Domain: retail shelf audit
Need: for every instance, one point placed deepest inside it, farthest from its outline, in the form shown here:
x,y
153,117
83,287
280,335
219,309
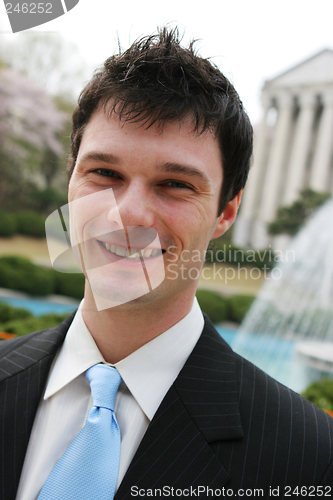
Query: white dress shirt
x,y
147,375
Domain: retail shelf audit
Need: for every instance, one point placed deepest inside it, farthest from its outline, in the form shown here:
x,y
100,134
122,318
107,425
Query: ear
x,y
227,217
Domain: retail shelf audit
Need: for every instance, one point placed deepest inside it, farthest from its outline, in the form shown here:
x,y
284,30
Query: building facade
x,y
292,149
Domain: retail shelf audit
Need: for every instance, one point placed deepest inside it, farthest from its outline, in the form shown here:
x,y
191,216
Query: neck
x,y
121,330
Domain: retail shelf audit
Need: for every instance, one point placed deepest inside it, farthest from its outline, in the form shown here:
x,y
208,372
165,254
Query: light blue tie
x,y
88,469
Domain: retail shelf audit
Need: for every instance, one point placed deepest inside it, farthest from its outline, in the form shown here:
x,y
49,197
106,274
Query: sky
x,y
249,40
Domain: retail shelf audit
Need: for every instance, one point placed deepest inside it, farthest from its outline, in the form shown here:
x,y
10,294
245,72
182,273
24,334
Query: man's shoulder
x,y
20,352
289,440
264,399
6,346
265,394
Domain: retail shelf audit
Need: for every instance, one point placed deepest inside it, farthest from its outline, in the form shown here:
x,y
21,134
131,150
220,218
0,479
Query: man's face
x,y
163,182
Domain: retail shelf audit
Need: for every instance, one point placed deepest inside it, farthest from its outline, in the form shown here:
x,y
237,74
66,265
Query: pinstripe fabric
x,y
288,441
223,423
249,431
24,367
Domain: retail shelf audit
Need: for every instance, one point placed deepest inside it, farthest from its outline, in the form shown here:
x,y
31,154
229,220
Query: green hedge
x,y
24,326
221,252
8,226
19,273
70,285
30,224
220,309
213,305
27,222
9,313
320,393
238,305
20,321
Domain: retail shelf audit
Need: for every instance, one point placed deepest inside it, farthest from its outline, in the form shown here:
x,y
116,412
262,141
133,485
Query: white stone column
x,y
323,152
244,221
269,201
300,148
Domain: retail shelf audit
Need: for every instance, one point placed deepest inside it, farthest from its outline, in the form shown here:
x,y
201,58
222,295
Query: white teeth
x,y
133,253
120,251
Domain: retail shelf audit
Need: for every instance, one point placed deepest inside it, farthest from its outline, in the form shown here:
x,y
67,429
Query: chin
x,y
113,291
124,281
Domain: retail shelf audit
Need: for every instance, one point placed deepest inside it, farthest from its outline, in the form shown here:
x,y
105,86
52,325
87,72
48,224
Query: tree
x,y
47,60
54,65
290,219
30,129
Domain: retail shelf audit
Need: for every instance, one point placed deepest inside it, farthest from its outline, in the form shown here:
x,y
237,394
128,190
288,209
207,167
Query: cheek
x,y
80,184
184,213
189,213
75,189
180,222
84,212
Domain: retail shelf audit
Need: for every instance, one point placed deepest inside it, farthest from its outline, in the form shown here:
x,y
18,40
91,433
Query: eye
x,y
106,172
178,185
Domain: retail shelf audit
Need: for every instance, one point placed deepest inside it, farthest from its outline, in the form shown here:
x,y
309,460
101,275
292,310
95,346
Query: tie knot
x,y
104,382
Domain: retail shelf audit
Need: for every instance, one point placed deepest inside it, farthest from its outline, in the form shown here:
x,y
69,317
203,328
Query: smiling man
x,y
137,394
166,179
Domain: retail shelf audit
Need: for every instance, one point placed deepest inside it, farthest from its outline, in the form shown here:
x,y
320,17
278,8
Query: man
x,y
161,147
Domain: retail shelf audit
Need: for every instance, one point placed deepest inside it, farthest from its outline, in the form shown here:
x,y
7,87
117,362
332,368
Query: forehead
x,y
176,142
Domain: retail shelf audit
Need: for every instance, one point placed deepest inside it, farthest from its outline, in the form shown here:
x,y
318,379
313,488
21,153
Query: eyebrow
x,y
176,168
100,157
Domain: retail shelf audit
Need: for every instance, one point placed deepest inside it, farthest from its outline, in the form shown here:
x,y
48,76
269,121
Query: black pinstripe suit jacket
x,y
223,424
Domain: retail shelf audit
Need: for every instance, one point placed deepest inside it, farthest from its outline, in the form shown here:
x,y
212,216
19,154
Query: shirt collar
x,y
78,353
148,372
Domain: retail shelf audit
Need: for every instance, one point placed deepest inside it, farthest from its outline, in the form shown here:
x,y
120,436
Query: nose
x,y
135,205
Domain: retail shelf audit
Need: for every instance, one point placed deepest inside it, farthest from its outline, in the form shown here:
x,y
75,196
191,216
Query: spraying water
x,y
288,331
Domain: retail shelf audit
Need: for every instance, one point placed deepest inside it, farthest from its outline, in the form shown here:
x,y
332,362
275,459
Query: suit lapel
x,y
25,364
201,407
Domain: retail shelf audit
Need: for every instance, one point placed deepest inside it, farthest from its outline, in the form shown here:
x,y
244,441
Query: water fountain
x,y
288,332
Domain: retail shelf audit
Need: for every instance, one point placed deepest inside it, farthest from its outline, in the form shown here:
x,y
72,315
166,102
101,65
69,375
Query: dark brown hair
x,y
158,81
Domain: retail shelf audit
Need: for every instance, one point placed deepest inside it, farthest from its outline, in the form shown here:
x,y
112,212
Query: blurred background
x,y
268,283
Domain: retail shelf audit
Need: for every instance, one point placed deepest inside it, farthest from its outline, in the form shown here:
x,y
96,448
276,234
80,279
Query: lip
x,y
130,237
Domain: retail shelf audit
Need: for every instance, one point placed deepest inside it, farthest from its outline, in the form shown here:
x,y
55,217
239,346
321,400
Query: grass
x,y
228,280
24,246
34,249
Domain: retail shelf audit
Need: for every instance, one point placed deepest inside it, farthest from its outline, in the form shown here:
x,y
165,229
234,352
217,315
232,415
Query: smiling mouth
x,y
133,253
